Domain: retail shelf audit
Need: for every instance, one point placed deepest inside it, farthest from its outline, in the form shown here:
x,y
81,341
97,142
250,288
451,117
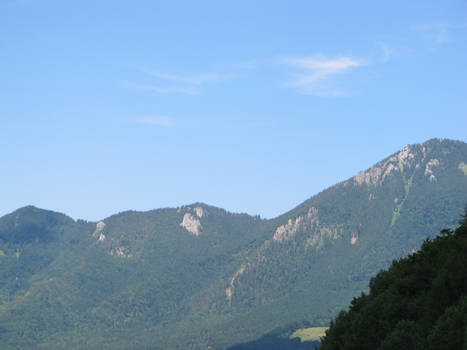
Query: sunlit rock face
x,y
191,220
191,224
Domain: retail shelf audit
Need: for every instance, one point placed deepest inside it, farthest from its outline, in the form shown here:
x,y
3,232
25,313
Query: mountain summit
x,y
198,276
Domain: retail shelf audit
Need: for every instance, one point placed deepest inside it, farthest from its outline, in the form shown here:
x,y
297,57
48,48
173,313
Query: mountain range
x,y
200,277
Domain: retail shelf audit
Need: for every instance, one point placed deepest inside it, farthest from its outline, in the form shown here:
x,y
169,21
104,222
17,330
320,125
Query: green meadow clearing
x,y
307,334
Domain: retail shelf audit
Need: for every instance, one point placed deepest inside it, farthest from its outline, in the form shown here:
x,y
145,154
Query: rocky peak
x,y
191,219
399,162
98,231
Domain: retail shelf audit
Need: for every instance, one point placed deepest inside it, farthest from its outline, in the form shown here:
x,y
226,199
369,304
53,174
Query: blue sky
x,y
253,106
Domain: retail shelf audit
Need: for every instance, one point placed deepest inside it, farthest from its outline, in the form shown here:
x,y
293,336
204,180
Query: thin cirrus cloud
x,y
387,52
160,120
317,70
166,83
187,90
187,79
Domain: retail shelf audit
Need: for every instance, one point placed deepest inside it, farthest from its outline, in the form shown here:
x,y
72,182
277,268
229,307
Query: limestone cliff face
x,y
191,224
191,220
410,158
401,161
288,231
430,168
110,242
98,231
308,224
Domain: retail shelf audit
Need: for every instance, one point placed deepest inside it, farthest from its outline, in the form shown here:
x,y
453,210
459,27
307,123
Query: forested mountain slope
x,y
323,252
420,302
198,276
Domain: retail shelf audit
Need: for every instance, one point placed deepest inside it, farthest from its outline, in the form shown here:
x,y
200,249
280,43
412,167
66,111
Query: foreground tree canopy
x,y
420,302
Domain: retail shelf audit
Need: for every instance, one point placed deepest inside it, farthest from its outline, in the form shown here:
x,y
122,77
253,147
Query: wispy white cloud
x,y
316,70
167,83
387,52
159,89
161,120
439,32
186,79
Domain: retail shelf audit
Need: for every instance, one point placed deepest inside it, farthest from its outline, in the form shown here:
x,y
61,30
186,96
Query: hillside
x,y
198,276
326,250
420,302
